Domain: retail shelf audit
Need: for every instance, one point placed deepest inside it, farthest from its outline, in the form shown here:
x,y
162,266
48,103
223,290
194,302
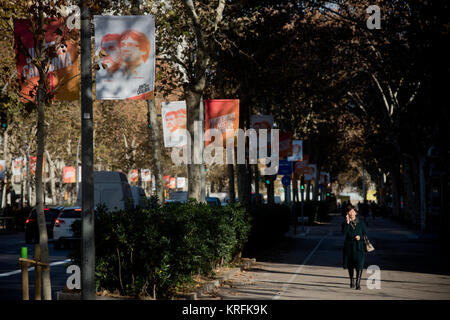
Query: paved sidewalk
x,y
309,266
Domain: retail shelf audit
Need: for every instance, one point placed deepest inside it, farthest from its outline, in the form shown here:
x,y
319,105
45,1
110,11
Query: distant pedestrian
x,y
354,248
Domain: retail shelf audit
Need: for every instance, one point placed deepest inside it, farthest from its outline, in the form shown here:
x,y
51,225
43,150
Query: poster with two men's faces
x,y
126,47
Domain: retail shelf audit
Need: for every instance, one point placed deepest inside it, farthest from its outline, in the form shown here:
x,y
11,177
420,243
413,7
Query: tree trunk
x,y
271,189
256,171
316,182
43,237
423,193
193,99
409,195
155,134
231,190
52,177
295,188
395,179
308,190
244,181
4,181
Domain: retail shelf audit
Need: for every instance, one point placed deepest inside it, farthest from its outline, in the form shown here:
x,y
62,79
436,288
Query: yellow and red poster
x,y
62,69
134,176
166,181
33,165
221,114
172,183
2,169
69,174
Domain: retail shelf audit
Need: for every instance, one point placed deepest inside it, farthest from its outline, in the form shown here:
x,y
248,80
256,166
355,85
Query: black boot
x,y
358,279
350,274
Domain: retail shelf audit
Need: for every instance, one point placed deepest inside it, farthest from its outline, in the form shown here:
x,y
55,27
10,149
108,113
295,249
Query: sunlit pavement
x,y
308,265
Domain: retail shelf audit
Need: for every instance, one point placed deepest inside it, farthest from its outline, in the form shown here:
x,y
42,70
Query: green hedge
x,y
143,251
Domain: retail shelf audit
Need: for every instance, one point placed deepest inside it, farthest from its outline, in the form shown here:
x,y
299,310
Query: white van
x,y
139,196
111,188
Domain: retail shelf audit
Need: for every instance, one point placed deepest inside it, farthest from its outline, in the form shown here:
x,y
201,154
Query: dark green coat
x,y
354,250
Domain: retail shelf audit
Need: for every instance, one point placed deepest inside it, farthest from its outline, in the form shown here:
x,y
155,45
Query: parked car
x,y
62,230
214,201
227,200
177,196
31,224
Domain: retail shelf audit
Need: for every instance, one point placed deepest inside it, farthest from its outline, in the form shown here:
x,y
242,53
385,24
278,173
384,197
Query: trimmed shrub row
x,y
153,251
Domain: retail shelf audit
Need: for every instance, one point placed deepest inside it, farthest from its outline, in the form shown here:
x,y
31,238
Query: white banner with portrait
x,y
17,166
146,175
174,123
309,172
297,151
126,47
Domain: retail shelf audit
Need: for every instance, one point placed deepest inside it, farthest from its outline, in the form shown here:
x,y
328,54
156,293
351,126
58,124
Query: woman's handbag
x,y
369,246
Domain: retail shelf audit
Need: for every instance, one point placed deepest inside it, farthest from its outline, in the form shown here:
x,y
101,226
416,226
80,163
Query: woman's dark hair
x,y
350,207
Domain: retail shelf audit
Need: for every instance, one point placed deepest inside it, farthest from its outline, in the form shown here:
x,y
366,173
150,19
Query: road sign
x,y
284,167
286,180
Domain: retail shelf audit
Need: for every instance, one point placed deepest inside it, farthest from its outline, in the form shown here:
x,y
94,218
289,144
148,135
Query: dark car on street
x,y
31,224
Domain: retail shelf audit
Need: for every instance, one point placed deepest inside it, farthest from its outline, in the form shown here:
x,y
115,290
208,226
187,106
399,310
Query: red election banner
x,y
167,181
134,178
172,183
62,69
69,175
299,166
285,144
221,114
33,165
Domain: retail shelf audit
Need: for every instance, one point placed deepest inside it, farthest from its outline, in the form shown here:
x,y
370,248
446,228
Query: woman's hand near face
x,y
347,218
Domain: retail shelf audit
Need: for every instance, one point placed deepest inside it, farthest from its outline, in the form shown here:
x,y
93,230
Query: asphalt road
x,y
412,266
10,275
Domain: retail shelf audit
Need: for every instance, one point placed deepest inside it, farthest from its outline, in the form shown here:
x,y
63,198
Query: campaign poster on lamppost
x,y
69,175
134,176
174,123
2,169
146,175
126,47
221,114
297,151
17,166
285,144
310,172
63,68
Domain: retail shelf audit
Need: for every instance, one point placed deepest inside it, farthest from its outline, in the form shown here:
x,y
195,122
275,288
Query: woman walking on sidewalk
x,y
354,249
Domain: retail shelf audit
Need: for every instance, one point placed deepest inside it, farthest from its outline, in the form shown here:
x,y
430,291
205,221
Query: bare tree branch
x,y
386,103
